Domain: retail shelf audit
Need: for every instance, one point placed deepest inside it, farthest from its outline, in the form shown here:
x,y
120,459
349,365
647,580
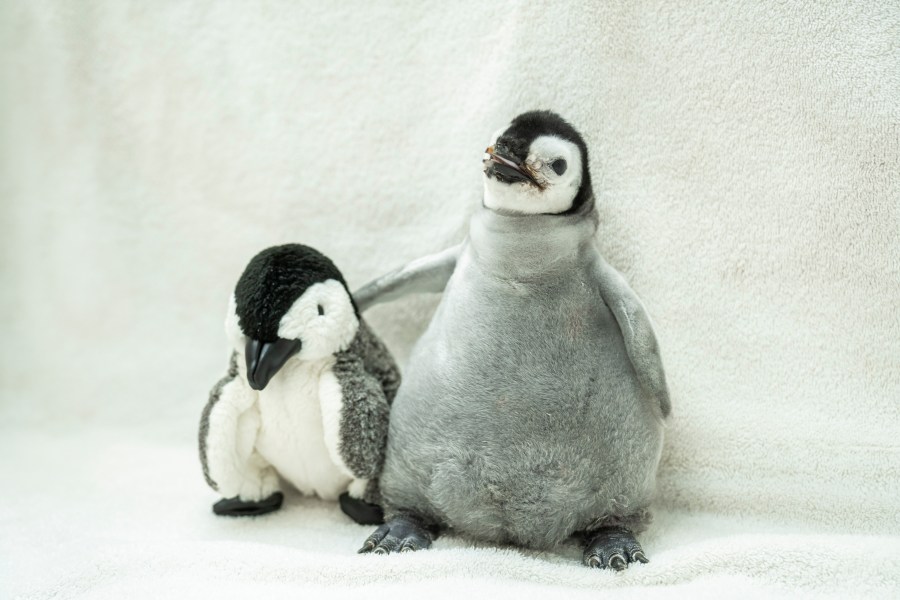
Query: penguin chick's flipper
x,y
364,513
427,274
401,533
235,507
612,548
637,331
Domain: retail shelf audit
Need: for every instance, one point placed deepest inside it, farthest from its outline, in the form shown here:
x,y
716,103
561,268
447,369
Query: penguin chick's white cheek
x,y
322,318
559,190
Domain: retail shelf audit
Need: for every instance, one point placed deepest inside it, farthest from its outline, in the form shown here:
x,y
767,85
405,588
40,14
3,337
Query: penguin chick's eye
x,y
559,166
321,310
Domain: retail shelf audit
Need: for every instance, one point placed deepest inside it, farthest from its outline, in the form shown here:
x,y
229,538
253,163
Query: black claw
x,y
373,540
618,544
617,562
388,545
401,534
414,543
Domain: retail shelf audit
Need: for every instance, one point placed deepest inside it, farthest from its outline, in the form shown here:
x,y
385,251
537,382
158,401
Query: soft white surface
x,y
148,532
746,157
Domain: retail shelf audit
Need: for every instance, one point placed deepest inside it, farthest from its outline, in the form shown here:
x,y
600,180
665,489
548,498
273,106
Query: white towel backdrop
x,y
746,158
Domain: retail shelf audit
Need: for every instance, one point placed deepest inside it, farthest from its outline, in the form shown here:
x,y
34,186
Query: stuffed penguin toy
x,y
307,394
534,404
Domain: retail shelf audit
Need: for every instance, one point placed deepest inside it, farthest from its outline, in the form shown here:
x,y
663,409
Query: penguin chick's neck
x,y
525,246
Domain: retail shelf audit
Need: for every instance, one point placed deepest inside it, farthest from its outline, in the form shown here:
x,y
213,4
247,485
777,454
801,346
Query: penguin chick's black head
x,y
273,280
515,158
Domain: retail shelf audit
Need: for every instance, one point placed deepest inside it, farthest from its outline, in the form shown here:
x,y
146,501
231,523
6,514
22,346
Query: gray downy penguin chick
x,y
306,398
532,407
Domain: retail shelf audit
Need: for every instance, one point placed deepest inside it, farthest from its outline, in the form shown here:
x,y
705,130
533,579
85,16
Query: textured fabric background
x,y
746,157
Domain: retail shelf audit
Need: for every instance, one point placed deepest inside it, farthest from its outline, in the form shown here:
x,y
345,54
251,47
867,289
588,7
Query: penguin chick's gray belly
x,y
521,419
291,434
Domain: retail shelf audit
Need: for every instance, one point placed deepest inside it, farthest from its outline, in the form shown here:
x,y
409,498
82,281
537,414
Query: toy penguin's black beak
x,y
508,170
264,359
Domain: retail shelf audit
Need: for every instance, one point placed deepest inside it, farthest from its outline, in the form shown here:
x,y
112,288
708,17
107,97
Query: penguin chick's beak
x,y
264,359
508,170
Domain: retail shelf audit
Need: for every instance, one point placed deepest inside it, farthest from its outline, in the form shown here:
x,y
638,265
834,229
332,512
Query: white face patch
x,y
322,318
559,189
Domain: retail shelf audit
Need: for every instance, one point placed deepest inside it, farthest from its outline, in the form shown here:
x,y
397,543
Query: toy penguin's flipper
x,y
377,360
364,513
637,331
427,274
228,431
214,396
235,507
354,417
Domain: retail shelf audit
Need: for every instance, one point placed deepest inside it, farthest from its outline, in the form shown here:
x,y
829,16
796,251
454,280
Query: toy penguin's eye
x,y
321,310
559,166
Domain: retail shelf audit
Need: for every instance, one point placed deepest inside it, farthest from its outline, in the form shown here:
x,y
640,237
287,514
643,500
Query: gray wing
x,y
377,360
637,331
214,395
427,274
365,406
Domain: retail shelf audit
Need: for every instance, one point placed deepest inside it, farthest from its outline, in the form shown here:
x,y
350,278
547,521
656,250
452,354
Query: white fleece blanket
x,y
746,158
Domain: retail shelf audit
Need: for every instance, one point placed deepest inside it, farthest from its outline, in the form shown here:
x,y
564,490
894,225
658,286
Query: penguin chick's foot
x,y
612,548
235,507
402,533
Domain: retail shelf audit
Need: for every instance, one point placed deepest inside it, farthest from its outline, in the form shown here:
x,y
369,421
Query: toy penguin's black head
x,y
538,164
291,300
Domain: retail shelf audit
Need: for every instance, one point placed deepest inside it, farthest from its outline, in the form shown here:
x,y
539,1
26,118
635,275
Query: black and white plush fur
x,y
307,394
532,407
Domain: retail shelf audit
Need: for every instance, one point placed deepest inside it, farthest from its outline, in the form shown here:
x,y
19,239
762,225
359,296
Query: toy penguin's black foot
x,y
361,511
403,533
235,507
612,548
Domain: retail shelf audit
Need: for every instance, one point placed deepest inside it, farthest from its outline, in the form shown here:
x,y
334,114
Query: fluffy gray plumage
x,y
532,407
367,372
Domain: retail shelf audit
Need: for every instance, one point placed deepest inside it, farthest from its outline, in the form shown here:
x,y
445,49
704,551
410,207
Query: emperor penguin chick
x,y
532,407
307,394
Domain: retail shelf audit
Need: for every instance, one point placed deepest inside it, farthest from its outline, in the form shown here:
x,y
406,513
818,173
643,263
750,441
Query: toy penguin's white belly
x,y
291,434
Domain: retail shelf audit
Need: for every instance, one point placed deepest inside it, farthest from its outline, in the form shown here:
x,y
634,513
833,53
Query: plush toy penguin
x,y
307,394
533,405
